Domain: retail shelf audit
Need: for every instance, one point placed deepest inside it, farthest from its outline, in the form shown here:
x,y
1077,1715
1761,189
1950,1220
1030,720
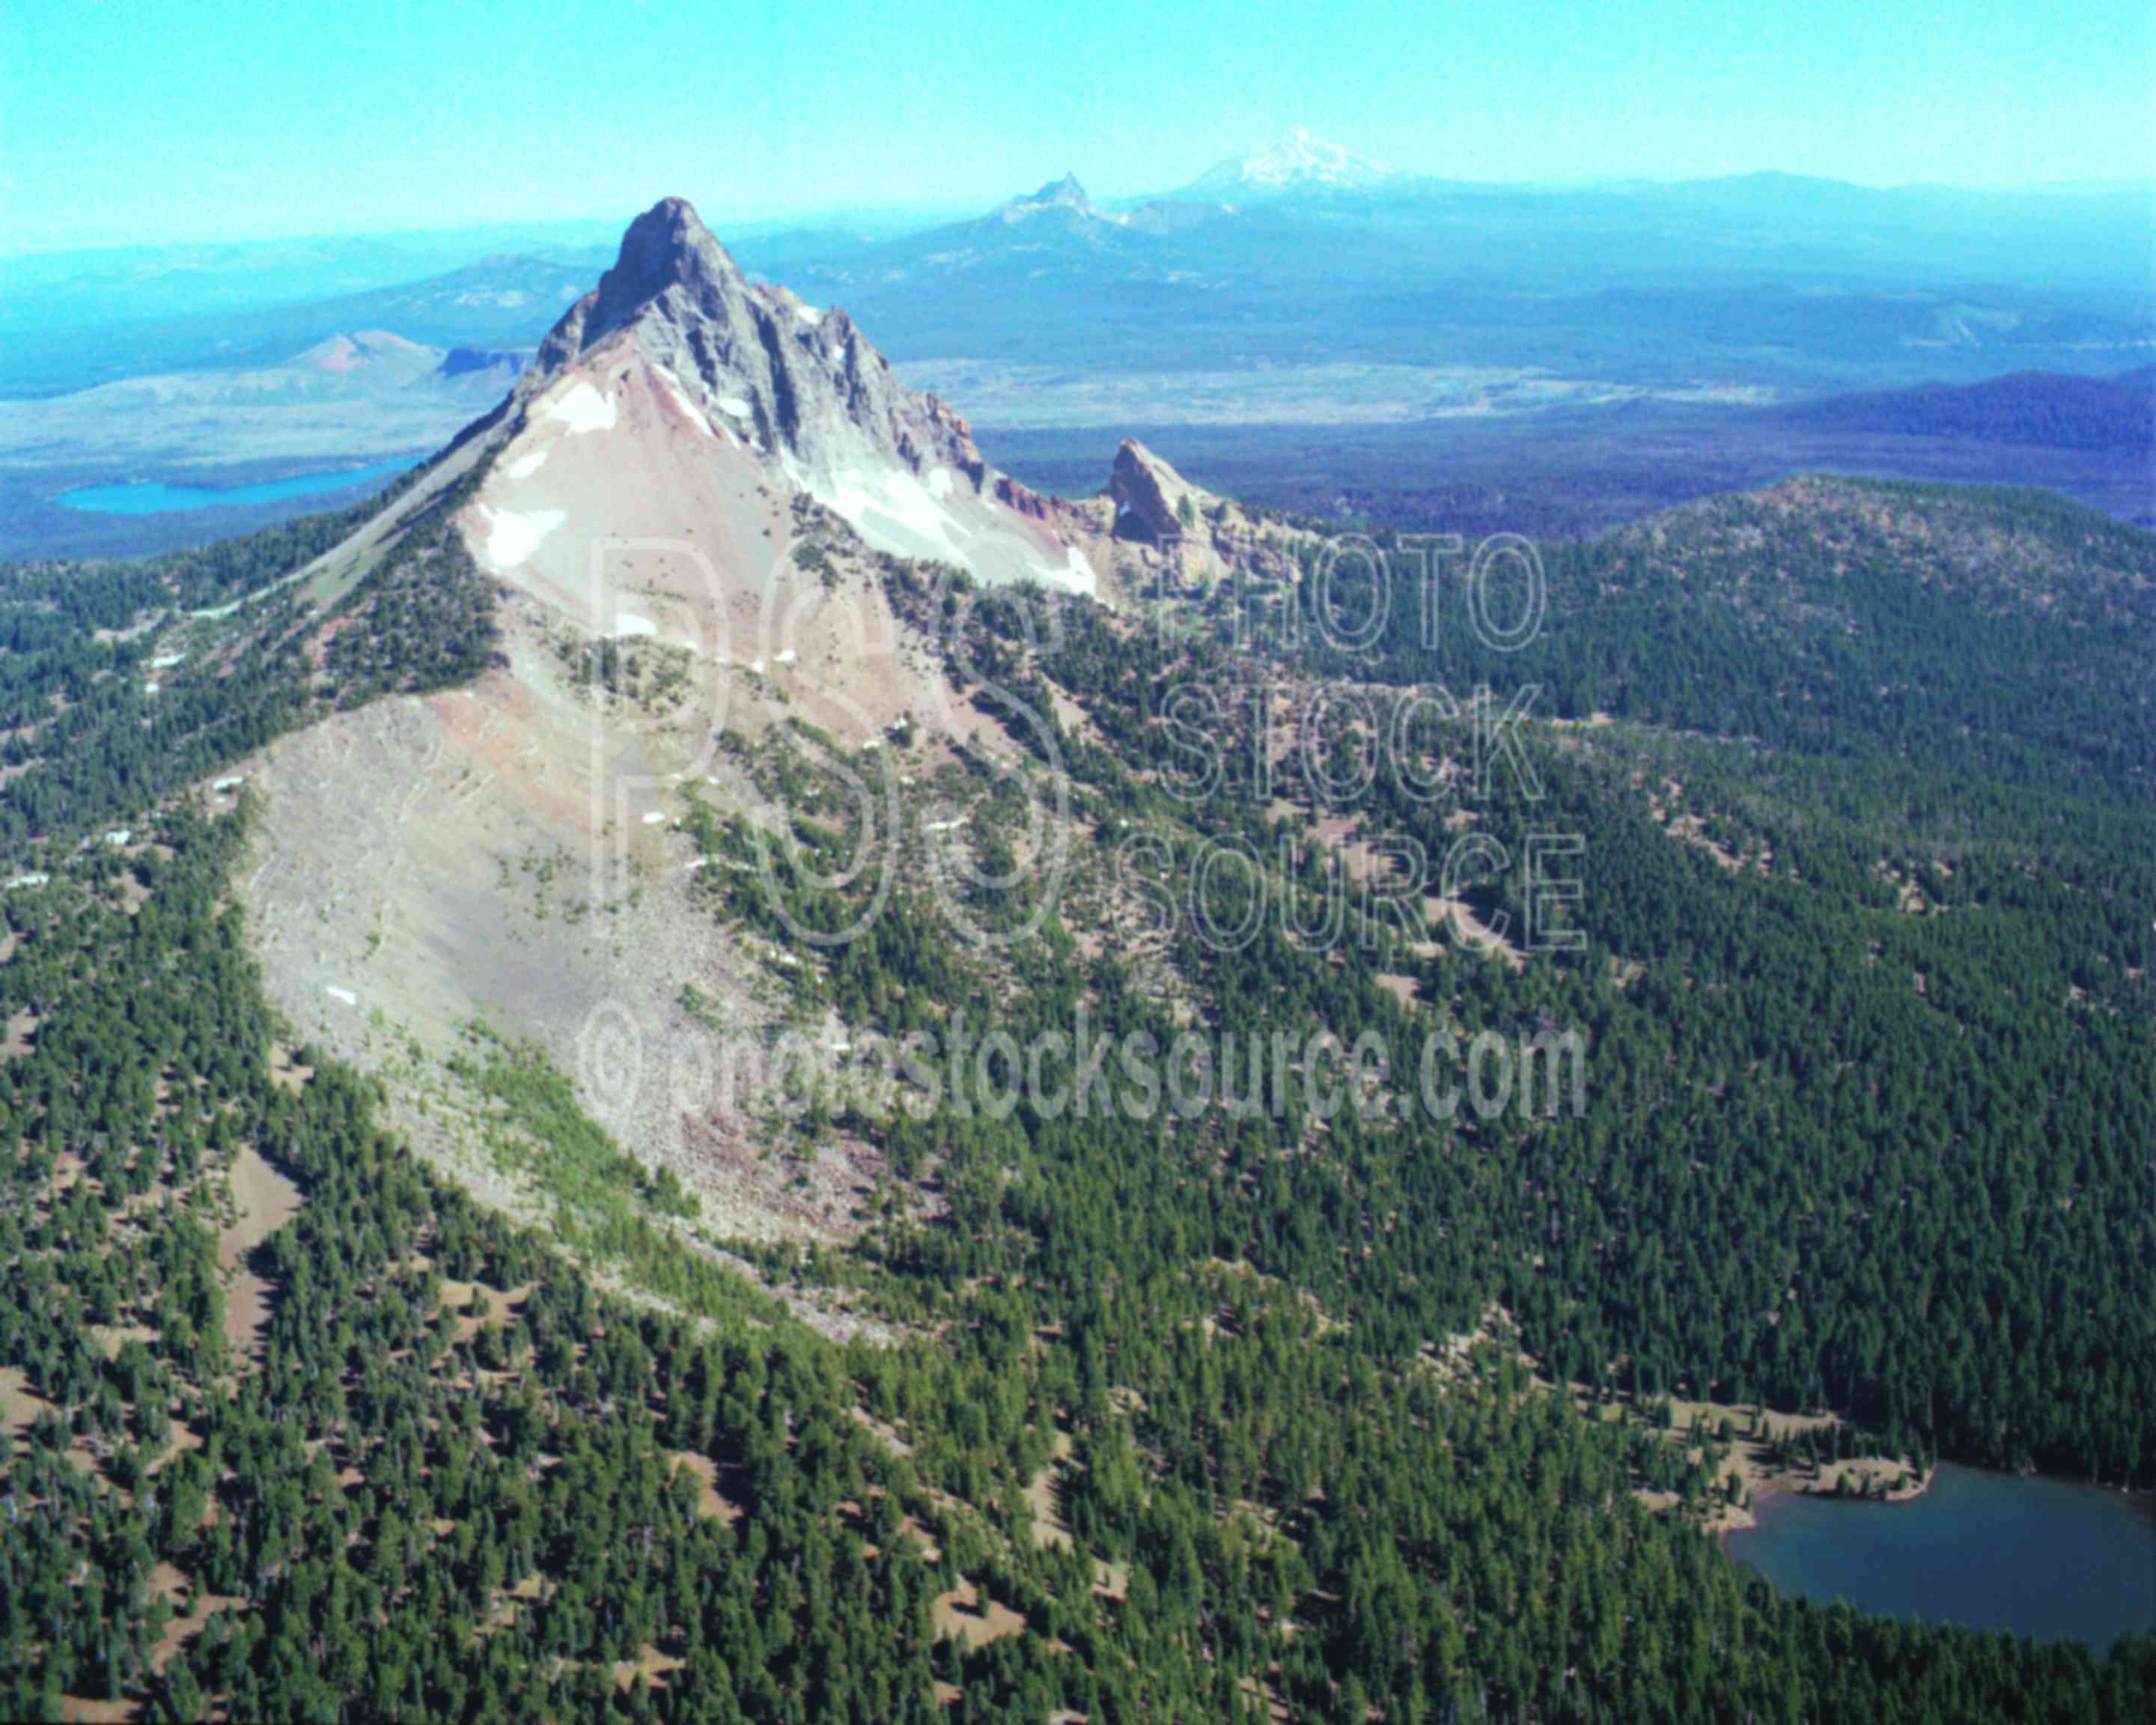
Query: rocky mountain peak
x,y
1063,195
666,254
1150,497
791,383
667,246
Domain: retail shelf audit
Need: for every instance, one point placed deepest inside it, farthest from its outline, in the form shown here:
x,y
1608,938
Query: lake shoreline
x,y
1763,1484
157,497
1747,1460
2029,1554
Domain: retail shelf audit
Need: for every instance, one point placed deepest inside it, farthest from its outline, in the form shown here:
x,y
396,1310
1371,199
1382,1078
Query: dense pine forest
x,y
1229,1415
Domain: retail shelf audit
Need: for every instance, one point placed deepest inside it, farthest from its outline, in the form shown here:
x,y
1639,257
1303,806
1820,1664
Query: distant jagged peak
x,y
1063,195
1295,161
1067,190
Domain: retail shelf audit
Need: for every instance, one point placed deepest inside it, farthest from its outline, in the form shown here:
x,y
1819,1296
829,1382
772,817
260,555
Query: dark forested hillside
x,y
1215,1415
1871,1021
120,682
2000,634
2048,409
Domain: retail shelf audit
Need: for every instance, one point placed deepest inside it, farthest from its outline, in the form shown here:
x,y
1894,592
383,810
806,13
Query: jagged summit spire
x,y
749,364
663,243
666,248
1065,195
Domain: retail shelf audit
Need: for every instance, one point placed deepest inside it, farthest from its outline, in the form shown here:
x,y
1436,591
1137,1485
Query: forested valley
x,y
1230,1416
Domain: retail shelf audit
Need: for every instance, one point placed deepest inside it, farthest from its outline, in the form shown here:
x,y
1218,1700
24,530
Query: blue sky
x,y
155,119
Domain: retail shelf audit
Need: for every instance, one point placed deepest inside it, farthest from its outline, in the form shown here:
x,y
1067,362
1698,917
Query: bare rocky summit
x,y
798,383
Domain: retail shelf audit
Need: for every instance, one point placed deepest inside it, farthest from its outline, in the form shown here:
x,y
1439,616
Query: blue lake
x,y
154,497
2039,1558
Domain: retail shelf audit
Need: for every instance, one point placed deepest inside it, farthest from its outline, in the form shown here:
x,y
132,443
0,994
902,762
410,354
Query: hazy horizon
x,y
766,118
895,218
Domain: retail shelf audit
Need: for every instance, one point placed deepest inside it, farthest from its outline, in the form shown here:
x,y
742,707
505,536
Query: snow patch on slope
x,y
582,408
511,537
894,513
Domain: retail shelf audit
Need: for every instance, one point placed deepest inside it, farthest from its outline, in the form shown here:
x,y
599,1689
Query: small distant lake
x,y
154,497
2038,1558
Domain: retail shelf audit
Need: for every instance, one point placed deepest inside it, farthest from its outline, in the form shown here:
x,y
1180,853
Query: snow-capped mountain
x,y
1294,161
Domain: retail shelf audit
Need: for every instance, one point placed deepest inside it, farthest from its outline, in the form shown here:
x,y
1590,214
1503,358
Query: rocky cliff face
x,y
1159,517
707,385
802,385
1151,498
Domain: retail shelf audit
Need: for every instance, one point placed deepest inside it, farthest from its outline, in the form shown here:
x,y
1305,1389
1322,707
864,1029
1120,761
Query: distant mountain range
x,y
1300,284
1303,252
1298,250
505,300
